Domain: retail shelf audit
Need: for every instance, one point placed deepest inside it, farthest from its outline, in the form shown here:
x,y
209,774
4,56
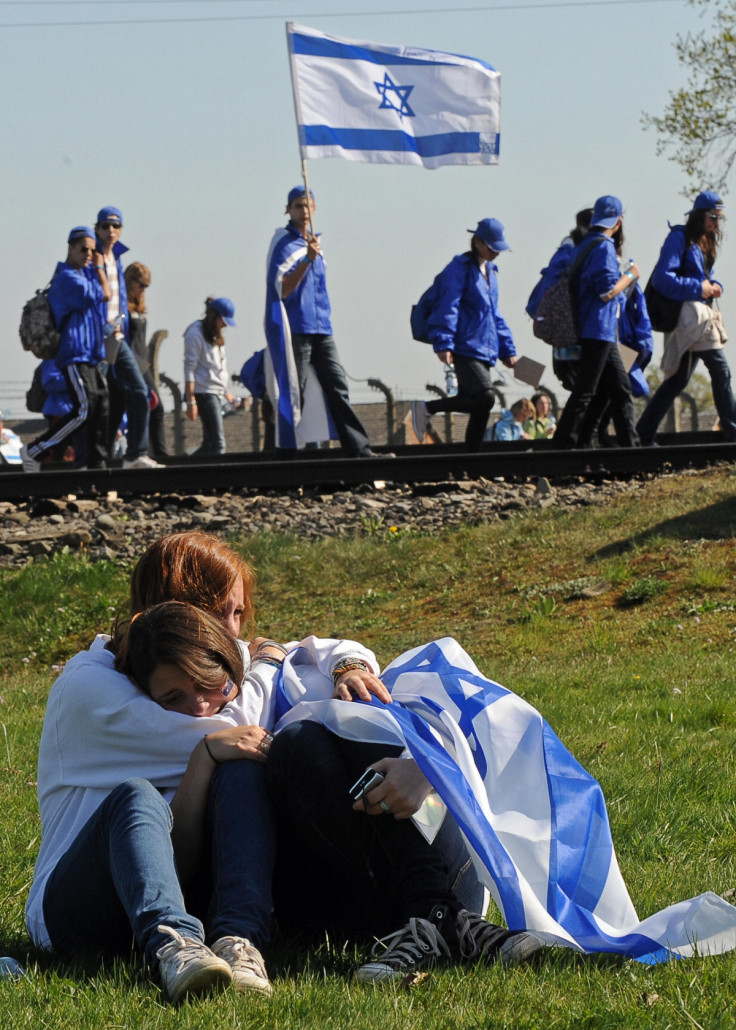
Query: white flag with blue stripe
x,y
534,819
392,104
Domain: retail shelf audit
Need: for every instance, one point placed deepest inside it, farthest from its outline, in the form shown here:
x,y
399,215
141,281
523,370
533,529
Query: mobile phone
x,y
365,784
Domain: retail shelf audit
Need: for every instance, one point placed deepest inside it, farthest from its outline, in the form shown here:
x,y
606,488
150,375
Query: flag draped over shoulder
x,y
392,104
534,819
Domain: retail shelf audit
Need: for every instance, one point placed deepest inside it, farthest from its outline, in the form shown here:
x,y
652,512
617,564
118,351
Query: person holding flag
x,y
299,335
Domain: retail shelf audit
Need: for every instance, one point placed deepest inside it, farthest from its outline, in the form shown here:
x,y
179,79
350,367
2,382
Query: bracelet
x,y
347,665
206,744
630,275
269,659
270,643
191,404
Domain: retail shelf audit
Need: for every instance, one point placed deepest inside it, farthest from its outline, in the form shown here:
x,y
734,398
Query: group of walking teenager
x,y
466,328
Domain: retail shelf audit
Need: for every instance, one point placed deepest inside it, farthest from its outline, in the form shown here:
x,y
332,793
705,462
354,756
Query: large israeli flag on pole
x,y
392,104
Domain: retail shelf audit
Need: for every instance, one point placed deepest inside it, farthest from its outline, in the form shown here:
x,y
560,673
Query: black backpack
x,y
38,332
556,319
35,394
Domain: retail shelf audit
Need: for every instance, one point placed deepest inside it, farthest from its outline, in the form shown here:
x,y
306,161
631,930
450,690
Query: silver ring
x,y
384,807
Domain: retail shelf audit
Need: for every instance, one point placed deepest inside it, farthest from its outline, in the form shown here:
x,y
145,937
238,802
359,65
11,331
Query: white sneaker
x,y
29,464
246,963
141,462
187,966
419,419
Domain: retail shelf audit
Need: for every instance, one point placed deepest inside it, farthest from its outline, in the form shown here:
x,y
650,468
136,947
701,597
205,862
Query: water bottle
x,y
11,969
450,381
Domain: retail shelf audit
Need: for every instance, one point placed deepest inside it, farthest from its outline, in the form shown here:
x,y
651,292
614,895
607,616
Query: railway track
x,y
330,469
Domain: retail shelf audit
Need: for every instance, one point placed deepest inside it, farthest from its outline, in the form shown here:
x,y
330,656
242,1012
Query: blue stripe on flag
x,y
323,46
386,139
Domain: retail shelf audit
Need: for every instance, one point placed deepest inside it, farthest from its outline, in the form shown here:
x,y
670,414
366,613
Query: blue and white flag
x,y
392,104
535,821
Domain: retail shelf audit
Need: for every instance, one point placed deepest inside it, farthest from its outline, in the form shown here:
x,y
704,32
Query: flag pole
x,y
297,115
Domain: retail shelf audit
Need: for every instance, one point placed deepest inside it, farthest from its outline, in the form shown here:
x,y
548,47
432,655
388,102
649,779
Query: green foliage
x,y
698,125
642,695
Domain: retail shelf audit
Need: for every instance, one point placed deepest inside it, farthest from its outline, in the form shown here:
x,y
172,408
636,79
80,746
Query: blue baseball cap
x,y
295,193
224,308
110,214
490,231
79,232
708,200
606,212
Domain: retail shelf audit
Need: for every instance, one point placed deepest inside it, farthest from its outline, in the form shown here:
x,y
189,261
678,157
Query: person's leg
x,y
117,882
474,383
129,377
331,377
618,392
117,410
64,428
99,416
593,357
720,379
213,432
157,432
664,398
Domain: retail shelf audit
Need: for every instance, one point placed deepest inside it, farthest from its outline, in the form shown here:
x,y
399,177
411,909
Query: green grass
x,y
617,621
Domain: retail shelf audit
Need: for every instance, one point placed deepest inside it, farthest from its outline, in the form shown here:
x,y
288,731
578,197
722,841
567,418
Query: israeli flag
x,y
392,104
534,820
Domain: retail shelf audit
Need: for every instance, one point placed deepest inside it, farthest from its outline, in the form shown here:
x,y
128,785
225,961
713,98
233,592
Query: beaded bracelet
x,y
347,665
206,744
270,643
269,659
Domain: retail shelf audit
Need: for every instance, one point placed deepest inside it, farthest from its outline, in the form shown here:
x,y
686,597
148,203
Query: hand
x,y
238,742
510,361
314,248
192,411
445,357
711,289
359,684
404,789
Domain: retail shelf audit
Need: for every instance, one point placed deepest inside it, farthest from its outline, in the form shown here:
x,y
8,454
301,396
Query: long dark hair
x,y
708,242
210,331
582,224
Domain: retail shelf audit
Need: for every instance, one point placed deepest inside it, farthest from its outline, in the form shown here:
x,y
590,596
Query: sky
x,y
181,114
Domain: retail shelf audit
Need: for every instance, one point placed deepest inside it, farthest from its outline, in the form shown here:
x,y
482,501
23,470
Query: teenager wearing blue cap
x,y
600,368
77,291
467,330
684,273
299,334
206,378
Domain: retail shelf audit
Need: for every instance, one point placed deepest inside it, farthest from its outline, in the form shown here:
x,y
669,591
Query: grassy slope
x,y
638,680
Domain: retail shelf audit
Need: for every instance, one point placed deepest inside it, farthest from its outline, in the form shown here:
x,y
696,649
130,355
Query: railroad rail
x,y
330,469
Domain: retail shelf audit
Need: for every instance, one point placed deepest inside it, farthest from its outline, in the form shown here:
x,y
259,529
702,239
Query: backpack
x,y
421,312
38,332
556,321
663,312
35,394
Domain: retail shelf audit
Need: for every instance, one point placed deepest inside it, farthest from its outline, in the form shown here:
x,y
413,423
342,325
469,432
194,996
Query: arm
x,y
629,276
292,279
668,276
193,342
444,318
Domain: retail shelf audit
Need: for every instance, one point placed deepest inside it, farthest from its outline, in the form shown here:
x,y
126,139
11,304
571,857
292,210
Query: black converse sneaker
x,y
480,940
418,944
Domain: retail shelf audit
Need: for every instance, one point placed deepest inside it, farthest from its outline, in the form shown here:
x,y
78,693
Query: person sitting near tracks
x,y
511,425
206,380
684,272
78,289
542,424
467,330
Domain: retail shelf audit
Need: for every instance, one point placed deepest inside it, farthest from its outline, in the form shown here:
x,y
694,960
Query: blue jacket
x,y
75,296
599,274
506,428
308,306
675,278
58,401
118,250
465,318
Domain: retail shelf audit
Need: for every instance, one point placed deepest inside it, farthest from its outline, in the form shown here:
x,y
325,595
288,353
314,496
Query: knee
x,y
138,795
295,750
484,400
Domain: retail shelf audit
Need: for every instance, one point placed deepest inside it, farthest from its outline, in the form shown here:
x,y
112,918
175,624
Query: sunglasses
x,y
715,217
111,225
86,250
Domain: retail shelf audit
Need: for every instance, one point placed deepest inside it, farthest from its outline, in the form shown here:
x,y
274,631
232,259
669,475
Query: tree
x,y
699,121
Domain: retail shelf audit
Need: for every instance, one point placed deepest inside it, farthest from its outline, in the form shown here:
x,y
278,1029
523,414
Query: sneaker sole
x,y
519,948
213,977
377,973
243,983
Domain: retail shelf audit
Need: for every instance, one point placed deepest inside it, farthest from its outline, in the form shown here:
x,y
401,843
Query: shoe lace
x,y
476,936
238,951
415,942
180,951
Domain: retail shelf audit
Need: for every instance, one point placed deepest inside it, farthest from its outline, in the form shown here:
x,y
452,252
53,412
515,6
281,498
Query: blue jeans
x,y
127,375
319,351
213,432
474,397
241,837
346,872
663,399
118,879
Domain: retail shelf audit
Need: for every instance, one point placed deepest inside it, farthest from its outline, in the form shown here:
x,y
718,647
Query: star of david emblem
x,y
394,97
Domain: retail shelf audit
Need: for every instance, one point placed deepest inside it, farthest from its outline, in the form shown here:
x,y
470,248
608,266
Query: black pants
x,y
87,388
601,377
475,398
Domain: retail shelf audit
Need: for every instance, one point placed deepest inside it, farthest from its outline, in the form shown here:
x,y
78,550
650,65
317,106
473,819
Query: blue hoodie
x,y
465,318
680,268
75,296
